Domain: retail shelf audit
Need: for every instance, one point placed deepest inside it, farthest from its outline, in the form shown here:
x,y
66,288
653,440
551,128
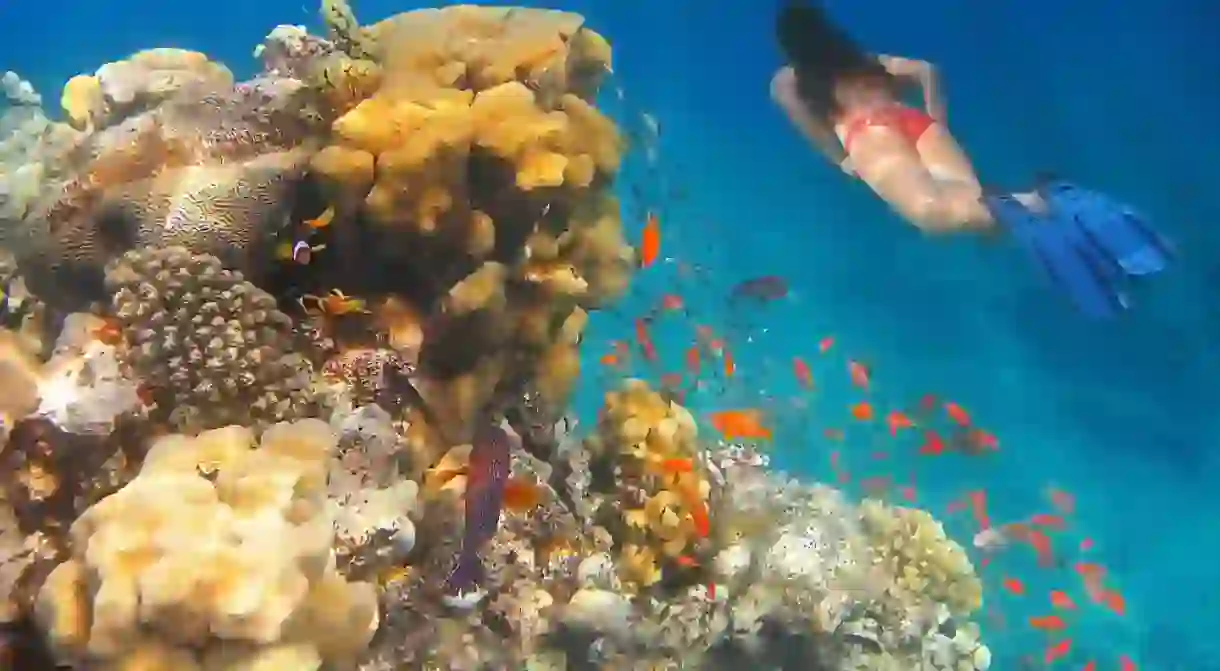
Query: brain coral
x,y
213,169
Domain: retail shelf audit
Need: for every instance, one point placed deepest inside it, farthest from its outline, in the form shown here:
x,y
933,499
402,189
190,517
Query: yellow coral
x,y
81,101
911,545
477,144
213,543
654,444
346,174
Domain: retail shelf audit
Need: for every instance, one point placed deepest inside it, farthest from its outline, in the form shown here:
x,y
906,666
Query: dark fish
x,y
761,289
485,481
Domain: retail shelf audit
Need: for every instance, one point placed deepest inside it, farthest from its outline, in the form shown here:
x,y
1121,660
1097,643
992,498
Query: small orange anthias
x,y
109,332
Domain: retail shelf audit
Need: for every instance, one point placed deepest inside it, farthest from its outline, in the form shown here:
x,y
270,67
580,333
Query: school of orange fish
x,y
708,363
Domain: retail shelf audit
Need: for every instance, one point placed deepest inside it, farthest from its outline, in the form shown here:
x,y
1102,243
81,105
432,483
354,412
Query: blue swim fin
x,y
1114,227
1083,270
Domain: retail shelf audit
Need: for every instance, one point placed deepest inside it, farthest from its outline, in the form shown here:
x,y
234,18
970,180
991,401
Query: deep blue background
x,y
1120,96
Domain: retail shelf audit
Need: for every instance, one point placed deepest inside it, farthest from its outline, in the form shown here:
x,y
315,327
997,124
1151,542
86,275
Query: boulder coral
x,y
218,555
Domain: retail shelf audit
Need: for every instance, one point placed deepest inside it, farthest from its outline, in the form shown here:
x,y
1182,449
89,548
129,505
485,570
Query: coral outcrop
x,y
217,555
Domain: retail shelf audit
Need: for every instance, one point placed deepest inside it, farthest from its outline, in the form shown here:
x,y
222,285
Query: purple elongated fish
x,y
486,478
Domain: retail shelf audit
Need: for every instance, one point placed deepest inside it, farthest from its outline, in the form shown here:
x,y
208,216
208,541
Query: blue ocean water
x,y
1120,96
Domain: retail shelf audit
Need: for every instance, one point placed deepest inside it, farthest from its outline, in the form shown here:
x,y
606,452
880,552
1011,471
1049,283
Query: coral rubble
x,y
249,329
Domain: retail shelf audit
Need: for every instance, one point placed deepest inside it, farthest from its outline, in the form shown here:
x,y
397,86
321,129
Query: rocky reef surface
x,y
255,334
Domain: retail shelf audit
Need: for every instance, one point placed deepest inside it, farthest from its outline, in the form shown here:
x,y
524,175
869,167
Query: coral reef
x,y
291,301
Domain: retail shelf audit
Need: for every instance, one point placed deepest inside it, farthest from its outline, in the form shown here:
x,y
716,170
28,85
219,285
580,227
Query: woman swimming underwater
x,y
848,103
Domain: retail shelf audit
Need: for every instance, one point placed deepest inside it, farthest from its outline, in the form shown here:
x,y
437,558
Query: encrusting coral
x,y
218,555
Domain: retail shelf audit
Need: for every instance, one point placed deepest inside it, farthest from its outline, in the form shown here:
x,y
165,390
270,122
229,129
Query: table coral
x,y
216,556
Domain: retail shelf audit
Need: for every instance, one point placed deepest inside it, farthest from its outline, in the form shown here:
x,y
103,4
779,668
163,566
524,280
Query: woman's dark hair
x,y
822,55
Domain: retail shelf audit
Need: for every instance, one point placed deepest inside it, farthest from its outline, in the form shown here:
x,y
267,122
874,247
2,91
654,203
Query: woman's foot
x,y
1032,201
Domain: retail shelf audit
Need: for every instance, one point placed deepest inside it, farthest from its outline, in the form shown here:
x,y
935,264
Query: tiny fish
x,y
760,289
804,375
650,243
738,424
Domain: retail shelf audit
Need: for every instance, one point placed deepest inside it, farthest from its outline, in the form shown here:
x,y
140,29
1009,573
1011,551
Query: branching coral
x,y
216,556
216,348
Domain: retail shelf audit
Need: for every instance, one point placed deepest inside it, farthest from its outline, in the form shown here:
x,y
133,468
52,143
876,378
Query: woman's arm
x,y
818,131
925,75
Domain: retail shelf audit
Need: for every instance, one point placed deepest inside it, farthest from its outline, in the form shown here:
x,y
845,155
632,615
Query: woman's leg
x,y
896,172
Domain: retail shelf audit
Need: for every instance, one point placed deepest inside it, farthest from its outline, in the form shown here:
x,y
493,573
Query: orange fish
x,y
730,365
825,344
803,373
957,414
1114,601
1064,502
1014,586
675,466
859,374
1062,600
1051,521
698,510
1048,623
693,361
898,421
686,561
109,332
862,412
978,506
322,220
933,444
1091,666
1126,664
735,424
645,340
672,303
650,243
521,495
1057,651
